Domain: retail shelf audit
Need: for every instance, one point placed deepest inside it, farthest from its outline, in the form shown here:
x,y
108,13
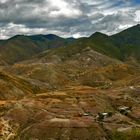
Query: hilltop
x,y
122,46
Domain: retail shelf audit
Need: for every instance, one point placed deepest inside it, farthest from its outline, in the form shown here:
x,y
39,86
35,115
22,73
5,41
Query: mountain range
x,y
122,46
65,88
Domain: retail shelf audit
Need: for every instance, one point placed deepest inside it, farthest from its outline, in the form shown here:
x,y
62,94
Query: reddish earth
x,y
68,114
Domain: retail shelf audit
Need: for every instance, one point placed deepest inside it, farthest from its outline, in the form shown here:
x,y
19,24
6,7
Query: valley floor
x,y
76,113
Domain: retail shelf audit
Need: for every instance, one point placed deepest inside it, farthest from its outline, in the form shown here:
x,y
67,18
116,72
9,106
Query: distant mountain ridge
x,y
120,46
21,47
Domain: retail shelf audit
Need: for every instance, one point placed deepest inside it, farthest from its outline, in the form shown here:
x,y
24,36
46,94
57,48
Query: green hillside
x,y
122,46
22,47
128,41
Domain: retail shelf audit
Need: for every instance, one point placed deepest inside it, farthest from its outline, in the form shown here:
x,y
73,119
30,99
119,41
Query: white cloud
x,y
70,13
137,16
63,8
66,18
12,29
77,35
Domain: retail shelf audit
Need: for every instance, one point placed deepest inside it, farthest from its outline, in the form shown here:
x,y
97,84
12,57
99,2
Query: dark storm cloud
x,y
66,18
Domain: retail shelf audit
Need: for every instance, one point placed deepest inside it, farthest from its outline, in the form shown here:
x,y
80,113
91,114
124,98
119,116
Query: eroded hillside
x,y
83,91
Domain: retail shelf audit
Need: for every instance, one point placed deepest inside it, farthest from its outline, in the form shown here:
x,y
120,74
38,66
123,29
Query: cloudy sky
x,y
67,17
